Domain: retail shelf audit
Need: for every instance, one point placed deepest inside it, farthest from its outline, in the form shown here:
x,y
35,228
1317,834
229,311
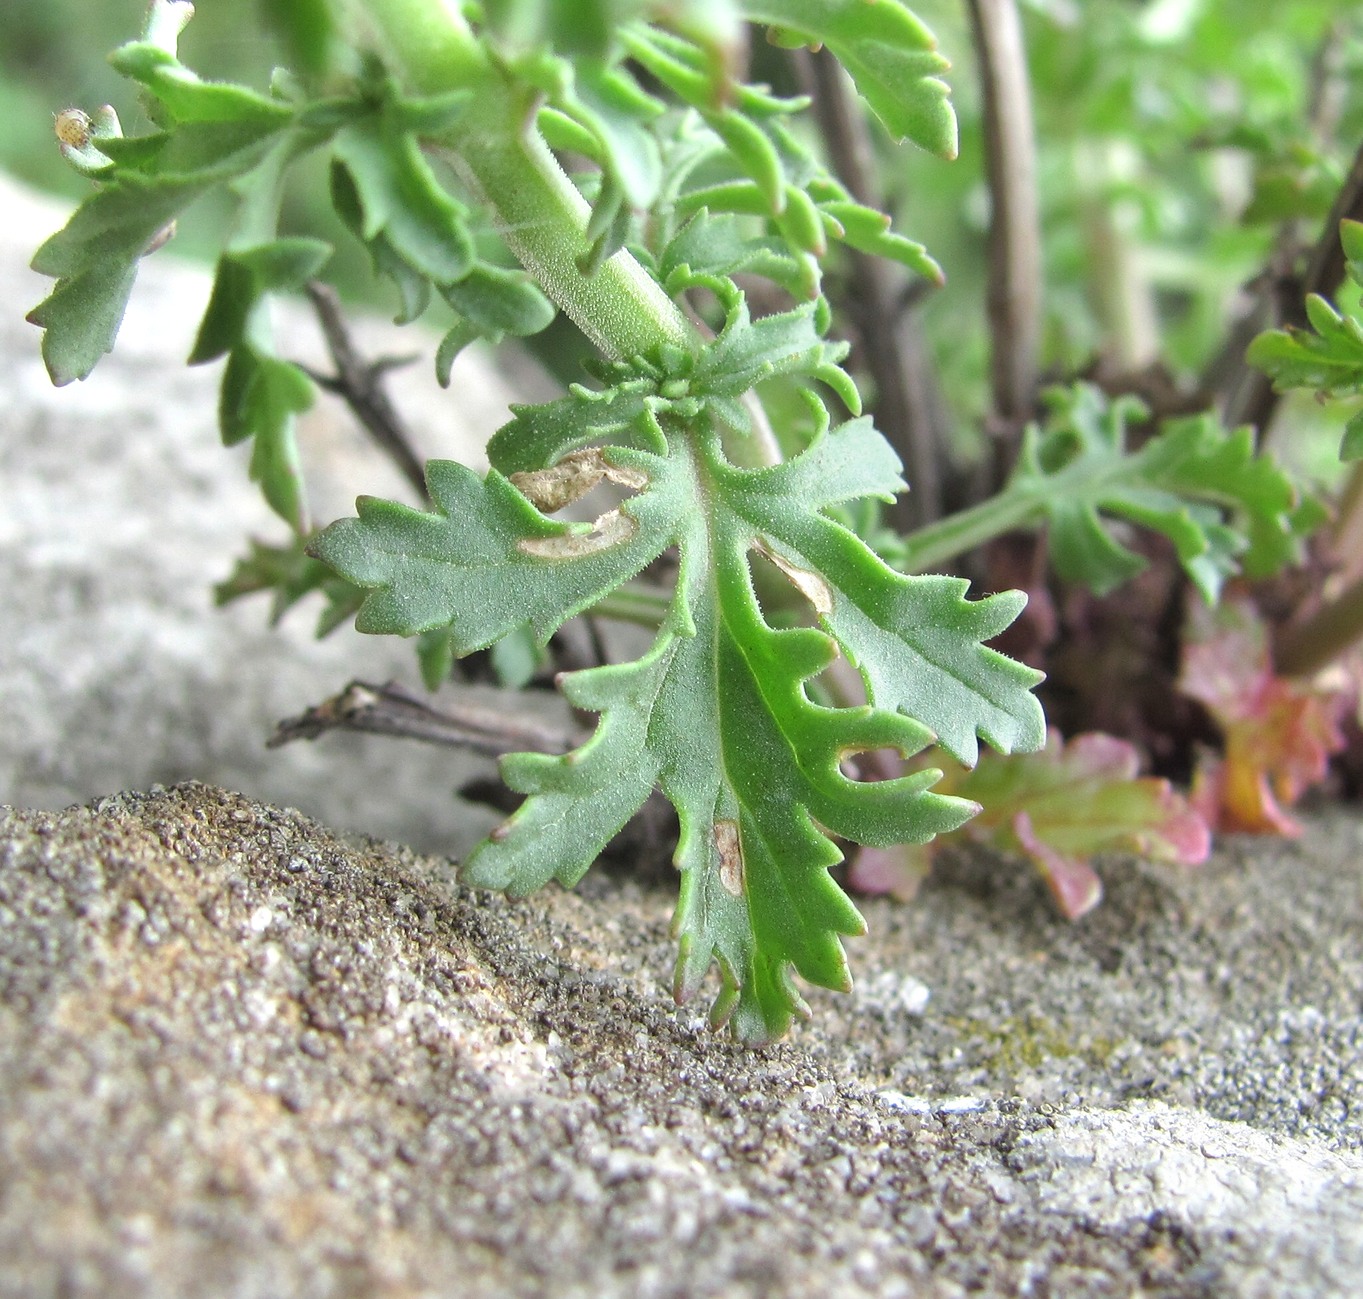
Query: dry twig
x,y
359,383
391,710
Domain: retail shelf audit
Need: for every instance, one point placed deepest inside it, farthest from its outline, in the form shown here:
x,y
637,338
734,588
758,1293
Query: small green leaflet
x,y
289,574
213,133
780,178
890,54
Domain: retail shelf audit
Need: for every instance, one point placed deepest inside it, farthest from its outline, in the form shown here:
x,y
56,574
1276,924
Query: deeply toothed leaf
x,y
1225,508
716,715
891,55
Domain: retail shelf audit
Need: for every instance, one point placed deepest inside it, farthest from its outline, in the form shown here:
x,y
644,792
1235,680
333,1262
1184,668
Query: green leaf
x,y
95,261
541,435
456,339
243,277
290,574
890,54
435,655
185,97
1328,360
715,244
499,301
401,200
916,640
216,133
516,658
489,558
869,231
1224,507
260,397
717,713
414,289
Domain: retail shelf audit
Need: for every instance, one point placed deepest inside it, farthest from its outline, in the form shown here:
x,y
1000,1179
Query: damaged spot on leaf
x,y
730,857
550,490
611,529
809,584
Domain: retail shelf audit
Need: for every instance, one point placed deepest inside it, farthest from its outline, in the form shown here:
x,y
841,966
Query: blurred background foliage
x,y
1179,143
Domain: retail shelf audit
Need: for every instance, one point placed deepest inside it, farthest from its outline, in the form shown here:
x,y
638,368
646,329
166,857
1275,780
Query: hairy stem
x,y
428,45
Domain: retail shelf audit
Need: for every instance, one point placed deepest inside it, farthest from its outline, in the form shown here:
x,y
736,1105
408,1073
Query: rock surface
x,y
240,1056
119,510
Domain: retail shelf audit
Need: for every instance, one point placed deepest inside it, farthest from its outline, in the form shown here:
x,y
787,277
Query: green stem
x,y
954,535
428,46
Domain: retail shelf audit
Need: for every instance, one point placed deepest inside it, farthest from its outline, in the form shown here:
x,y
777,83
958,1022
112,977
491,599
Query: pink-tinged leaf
x,y
1059,808
898,871
1279,732
1073,883
1234,797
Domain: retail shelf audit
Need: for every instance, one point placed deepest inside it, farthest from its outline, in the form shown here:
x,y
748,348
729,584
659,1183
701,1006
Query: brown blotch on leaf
x,y
610,529
730,857
550,490
809,584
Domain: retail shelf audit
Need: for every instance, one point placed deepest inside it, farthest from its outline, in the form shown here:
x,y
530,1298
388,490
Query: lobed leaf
x,y
1225,508
401,200
891,56
259,399
1060,808
717,715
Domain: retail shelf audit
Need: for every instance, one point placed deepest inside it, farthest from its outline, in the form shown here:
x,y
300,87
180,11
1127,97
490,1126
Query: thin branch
x,y
1302,649
1015,285
359,383
909,406
391,710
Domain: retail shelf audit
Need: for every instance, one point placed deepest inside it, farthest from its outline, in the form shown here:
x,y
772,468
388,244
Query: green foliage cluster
x,y
1328,358
445,134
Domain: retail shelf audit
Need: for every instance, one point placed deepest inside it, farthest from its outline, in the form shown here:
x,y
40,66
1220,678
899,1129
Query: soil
x,y
241,1055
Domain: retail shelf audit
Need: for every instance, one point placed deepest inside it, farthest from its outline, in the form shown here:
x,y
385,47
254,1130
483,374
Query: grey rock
x,y
240,1056
119,509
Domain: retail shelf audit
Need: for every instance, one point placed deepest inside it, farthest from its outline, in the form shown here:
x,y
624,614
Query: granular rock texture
x,y
240,1056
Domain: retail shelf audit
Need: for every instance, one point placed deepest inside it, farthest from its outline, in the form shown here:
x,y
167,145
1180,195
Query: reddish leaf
x,y
1059,808
1279,732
